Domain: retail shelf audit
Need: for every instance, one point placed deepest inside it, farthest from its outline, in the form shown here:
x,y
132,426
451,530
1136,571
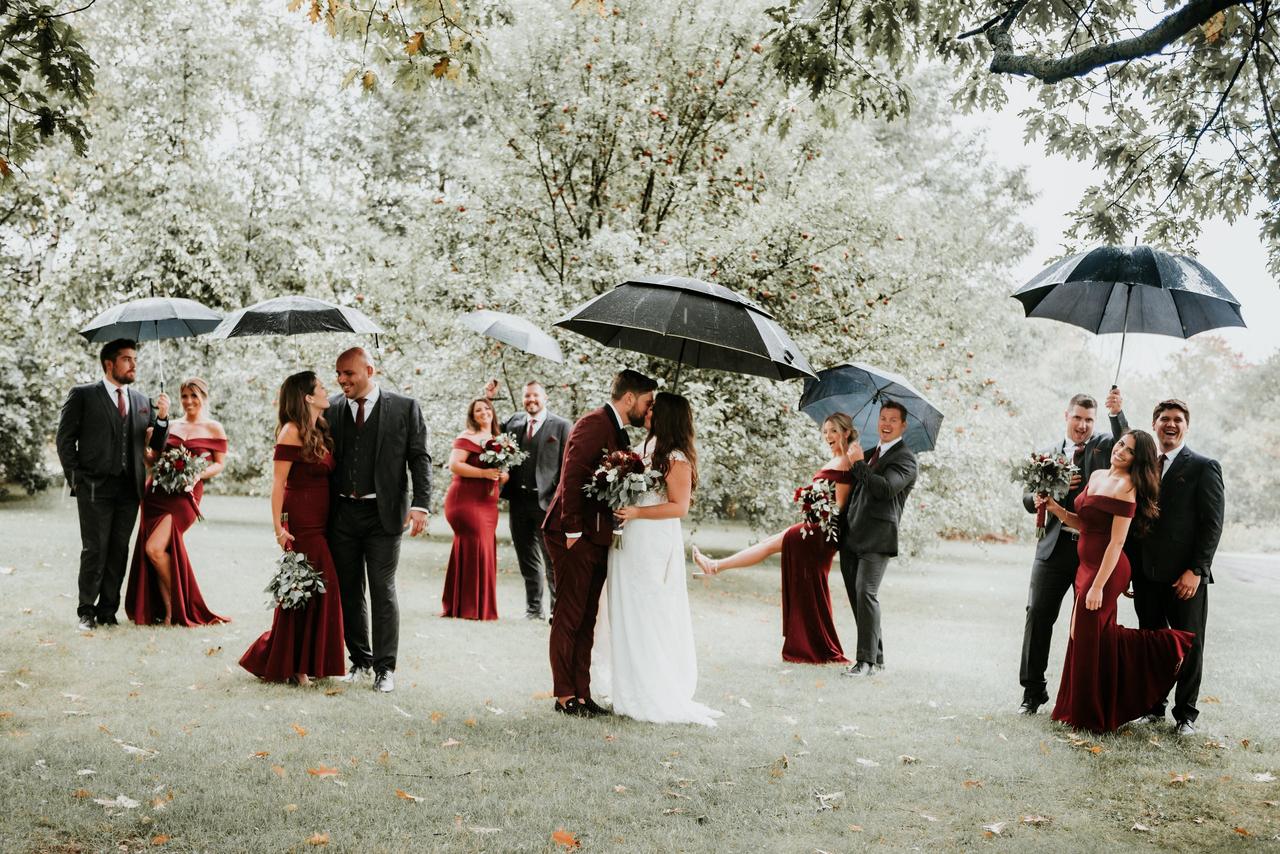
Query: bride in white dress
x,y
644,655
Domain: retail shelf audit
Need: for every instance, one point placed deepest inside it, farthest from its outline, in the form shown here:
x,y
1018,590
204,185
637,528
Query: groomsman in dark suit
x,y
102,439
881,484
381,485
1053,572
543,436
1173,563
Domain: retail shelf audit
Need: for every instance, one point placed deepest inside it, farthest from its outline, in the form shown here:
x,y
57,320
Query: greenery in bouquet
x,y
177,470
294,583
819,508
1046,475
502,452
621,480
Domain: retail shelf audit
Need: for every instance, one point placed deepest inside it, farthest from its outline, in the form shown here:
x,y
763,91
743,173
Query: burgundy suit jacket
x,y
571,510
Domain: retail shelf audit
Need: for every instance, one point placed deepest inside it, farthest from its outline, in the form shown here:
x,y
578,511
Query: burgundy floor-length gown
x,y
808,629
142,600
1112,674
471,508
308,639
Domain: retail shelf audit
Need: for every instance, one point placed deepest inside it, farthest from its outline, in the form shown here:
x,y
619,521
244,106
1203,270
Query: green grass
x,y
519,773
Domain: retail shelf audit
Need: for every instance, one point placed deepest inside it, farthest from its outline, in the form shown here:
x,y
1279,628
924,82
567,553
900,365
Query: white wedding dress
x,y
643,657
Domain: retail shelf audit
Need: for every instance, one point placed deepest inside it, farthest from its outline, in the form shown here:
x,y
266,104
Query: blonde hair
x,y
197,385
844,423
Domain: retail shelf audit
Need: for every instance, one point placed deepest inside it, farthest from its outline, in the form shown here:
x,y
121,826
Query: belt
x,y
356,500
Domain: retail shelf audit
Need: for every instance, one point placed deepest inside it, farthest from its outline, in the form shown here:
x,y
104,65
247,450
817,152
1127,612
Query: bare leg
x,y
747,557
158,553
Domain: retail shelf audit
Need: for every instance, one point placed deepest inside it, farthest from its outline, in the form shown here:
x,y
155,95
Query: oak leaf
x,y
300,730
414,45
403,795
1213,27
441,68
565,839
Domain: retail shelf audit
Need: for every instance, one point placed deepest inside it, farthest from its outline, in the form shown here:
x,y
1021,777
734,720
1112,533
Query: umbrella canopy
x,y
152,319
294,315
691,323
513,330
858,390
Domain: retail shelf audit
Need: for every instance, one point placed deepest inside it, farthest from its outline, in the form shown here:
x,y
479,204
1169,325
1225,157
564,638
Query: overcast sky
x,y
1233,252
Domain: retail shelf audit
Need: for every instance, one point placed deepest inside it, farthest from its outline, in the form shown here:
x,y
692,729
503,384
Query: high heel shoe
x,y
708,566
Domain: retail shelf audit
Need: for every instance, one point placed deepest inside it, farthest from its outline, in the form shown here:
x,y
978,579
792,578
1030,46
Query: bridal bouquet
x,y
1044,474
294,582
621,480
502,452
177,471
818,505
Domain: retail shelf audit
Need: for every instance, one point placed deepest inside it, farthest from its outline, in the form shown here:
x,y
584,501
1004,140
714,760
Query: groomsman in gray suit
x,y
881,484
1053,572
542,435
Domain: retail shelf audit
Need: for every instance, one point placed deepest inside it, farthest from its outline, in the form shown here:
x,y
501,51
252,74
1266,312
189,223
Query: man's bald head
x,y
355,373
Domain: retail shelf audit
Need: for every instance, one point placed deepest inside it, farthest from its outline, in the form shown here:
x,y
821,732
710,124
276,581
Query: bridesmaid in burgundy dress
x,y
471,509
162,585
808,628
305,641
1112,674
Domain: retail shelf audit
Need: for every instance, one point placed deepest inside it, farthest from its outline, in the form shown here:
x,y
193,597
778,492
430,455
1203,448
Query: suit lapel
x,y
384,420
1179,462
103,395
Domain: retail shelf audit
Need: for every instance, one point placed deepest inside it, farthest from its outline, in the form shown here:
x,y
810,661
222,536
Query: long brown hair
x,y
1144,472
315,439
671,428
493,416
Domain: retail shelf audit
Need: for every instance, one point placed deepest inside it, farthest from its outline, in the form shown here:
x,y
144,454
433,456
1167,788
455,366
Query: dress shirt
x,y
534,423
1170,456
886,446
370,398
111,392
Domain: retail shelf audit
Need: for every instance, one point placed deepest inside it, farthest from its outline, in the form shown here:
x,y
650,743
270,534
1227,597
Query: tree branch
x,y
1005,60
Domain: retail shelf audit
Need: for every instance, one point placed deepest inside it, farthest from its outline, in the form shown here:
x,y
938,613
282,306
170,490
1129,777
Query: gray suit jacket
x,y
401,457
87,440
1097,456
875,508
547,452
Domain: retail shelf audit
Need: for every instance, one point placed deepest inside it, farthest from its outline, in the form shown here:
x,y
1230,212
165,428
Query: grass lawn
x,y
467,755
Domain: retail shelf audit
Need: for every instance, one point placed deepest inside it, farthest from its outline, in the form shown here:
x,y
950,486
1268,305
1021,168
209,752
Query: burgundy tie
x,y
875,455
360,413
120,402
528,432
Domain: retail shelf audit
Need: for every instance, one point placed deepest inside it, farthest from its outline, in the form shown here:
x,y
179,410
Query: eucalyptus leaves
x,y
294,583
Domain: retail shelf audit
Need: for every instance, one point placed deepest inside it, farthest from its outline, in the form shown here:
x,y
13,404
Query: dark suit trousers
x,y
107,515
1158,607
363,552
580,573
862,576
1050,581
525,516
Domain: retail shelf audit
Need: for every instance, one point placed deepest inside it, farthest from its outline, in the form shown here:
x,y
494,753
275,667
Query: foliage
x,y
1180,117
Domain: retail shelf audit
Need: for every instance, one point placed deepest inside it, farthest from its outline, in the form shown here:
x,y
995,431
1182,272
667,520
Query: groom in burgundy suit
x,y
579,531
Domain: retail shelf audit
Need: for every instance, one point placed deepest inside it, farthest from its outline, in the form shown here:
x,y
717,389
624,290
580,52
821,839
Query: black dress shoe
x,y
572,708
1030,707
84,623
862,668
595,709
107,621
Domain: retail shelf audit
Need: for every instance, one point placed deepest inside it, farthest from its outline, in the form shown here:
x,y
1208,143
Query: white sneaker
x,y
384,682
356,675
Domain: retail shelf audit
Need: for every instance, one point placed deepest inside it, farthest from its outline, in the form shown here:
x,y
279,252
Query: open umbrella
x,y
858,390
691,323
1131,289
516,331
152,319
294,315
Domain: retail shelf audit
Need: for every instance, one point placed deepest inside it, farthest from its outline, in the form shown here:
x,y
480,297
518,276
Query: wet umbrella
x,y
1131,289
858,390
152,319
295,315
691,323
515,331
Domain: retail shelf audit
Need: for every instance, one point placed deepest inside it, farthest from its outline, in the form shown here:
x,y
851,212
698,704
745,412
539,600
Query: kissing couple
x,y
643,645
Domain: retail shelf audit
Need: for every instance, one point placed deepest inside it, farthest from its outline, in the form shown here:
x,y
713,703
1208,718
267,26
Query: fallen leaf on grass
x,y
323,771
403,795
134,750
452,742
1243,832
995,828
565,839
543,695
279,771
867,763
82,793
856,828
779,766
619,789
1036,820
300,730
160,839
1210,699
483,830
742,701
907,760
122,801
86,772
6,715
334,691
611,738
972,784
213,650
829,801
318,839
1095,749
1180,779
260,754
674,811
1271,803
290,807
471,722
1215,745
927,817
437,717
1264,777
401,711
1140,827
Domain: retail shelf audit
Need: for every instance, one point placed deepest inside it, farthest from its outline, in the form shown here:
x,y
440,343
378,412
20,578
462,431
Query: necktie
x,y
360,413
528,432
1077,454
120,402
875,455
1164,458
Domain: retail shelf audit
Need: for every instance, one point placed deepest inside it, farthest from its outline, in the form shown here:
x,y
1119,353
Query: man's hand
x,y
416,522
1075,481
162,407
491,388
855,453
1114,401
1186,585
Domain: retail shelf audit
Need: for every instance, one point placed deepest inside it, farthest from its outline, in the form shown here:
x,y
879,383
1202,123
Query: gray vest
x,y
528,470
361,449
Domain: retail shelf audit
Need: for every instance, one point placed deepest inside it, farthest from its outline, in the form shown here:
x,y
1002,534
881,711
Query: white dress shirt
x,y
1170,456
370,398
111,390
886,446
534,423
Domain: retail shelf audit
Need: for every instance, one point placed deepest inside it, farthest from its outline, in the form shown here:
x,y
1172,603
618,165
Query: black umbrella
x,y
294,315
691,323
152,319
858,390
1131,289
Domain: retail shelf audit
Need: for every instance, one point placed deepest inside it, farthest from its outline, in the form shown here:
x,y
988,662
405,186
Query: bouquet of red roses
x,y
1046,475
621,480
502,452
177,471
818,506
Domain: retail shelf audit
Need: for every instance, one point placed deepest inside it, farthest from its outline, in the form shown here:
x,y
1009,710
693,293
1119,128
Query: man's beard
x,y
119,380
